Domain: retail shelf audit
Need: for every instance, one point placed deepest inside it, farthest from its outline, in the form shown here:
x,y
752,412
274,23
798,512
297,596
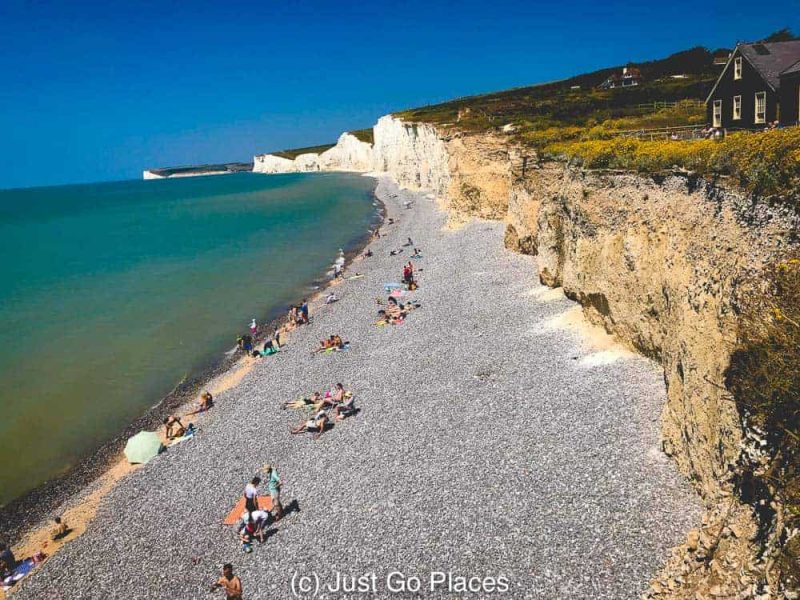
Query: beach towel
x,y
359,276
335,349
23,568
392,286
181,439
398,293
264,503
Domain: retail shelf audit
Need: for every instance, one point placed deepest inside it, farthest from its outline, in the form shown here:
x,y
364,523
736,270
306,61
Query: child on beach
x,y
59,531
230,583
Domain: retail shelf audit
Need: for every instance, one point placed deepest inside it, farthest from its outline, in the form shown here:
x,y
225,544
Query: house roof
x,y
771,59
795,68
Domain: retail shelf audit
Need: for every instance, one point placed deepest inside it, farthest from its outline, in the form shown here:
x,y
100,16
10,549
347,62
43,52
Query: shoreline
x,y
25,518
596,516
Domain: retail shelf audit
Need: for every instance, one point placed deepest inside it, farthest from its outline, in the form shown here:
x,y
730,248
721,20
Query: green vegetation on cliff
x,y
764,378
578,101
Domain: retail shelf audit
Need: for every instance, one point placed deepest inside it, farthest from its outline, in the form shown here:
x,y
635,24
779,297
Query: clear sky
x,y
94,91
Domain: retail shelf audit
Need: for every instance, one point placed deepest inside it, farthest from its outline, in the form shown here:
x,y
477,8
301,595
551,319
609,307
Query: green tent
x,y
142,447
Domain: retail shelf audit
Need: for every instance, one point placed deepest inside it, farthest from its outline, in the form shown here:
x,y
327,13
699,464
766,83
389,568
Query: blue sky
x,y
94,91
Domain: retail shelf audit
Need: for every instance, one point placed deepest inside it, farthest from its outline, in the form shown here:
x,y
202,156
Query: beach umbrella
x,y
142,447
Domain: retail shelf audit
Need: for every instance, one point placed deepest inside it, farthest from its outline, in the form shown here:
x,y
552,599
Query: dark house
x,y
790,95
749,93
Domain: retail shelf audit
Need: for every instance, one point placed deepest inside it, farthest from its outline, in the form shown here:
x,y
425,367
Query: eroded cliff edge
x,y
658,261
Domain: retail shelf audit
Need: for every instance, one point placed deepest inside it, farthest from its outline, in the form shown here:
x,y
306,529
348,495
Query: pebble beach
x,y
494,447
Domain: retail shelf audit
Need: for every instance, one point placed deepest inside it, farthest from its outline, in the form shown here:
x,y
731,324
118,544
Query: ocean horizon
x,y
117,291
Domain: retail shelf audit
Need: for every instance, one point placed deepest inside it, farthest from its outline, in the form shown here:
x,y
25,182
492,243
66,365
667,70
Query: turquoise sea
x,y
112,293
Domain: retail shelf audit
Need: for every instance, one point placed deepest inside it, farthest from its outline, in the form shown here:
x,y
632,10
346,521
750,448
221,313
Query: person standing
x,y
253,328
304,311
274,487
251,495
230,583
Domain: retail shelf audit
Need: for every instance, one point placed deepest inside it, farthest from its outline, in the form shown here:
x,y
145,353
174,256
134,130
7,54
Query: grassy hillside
x,y
577,101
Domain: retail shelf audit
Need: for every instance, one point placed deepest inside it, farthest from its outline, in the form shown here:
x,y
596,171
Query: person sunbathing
x,y
324,345
315,399
337,342
345,408
317,424
331,298
173,427
393,310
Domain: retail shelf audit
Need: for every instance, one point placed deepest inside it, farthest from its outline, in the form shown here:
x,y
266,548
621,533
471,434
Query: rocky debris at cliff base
x,y
716,560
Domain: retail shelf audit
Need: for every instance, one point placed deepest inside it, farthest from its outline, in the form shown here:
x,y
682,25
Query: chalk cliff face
x,y
469,173
414,154
349,154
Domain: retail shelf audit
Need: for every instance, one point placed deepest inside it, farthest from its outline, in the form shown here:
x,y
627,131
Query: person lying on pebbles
x,y
331,298
316,424
315,398
334,342
395,252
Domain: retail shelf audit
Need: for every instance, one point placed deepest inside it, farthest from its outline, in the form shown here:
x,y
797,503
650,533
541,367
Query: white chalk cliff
x,y
414,154
349,154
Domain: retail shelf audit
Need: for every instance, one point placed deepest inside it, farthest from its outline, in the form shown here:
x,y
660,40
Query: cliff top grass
x,y
577,101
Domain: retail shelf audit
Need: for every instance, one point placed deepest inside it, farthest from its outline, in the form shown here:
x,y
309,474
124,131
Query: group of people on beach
x,y
324,409
255,521
394,311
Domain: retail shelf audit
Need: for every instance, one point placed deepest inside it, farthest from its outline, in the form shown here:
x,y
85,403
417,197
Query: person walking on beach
x,y
229,582
304,311
274,487
251,495
253,328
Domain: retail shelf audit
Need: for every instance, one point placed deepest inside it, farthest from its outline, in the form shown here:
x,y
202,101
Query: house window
x,y
737,67
737,107
761,107
717,115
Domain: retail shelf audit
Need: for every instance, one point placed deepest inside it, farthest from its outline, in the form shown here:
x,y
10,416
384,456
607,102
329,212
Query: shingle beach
x,y
490,443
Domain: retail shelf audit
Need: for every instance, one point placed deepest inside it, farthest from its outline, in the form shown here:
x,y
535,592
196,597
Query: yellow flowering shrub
x,y
766,163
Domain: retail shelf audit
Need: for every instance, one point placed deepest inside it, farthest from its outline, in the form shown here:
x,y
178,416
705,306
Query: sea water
x,y
113,293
